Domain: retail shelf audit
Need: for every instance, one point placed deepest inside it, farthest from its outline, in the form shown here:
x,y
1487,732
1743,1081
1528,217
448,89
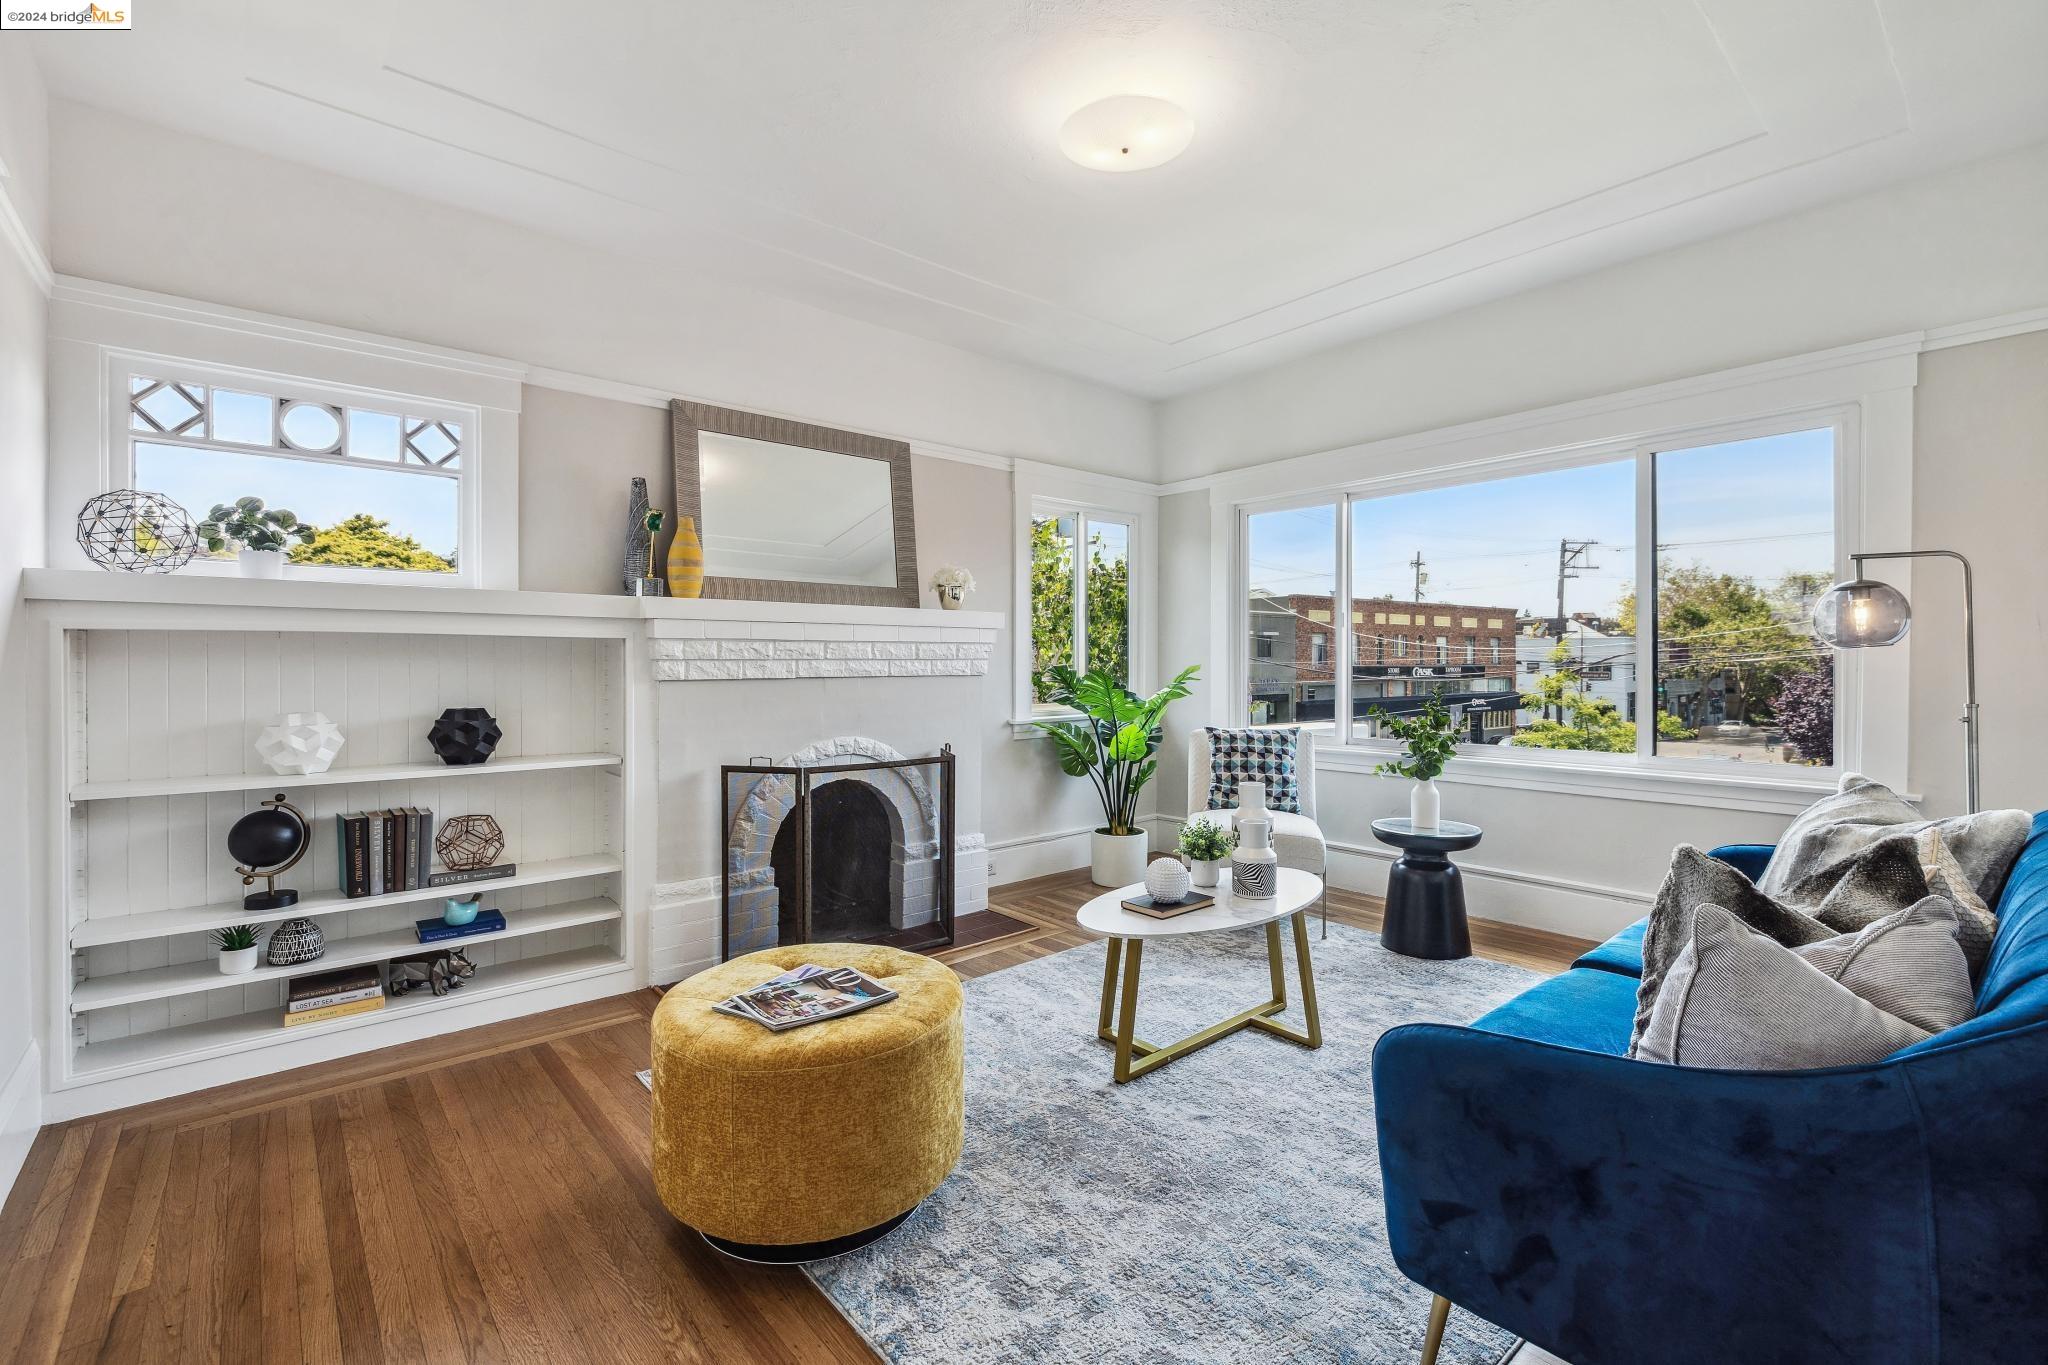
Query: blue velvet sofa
x,y
1625,1213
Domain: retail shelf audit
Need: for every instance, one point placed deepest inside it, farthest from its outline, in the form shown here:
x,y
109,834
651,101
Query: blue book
x,y
437,930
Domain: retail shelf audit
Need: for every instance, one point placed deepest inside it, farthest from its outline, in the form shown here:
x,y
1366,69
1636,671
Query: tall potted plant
x,y
1430,737
1111,744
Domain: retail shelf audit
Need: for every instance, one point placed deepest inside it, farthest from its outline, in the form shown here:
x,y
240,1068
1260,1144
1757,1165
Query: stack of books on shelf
x,y
333,995
438,930
385,851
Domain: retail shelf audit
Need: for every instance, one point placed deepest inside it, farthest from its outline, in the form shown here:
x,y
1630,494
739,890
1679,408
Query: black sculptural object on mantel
x,y
268,841
465,735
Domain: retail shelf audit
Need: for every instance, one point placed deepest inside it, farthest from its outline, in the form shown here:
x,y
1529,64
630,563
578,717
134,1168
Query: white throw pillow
x,y
1735,999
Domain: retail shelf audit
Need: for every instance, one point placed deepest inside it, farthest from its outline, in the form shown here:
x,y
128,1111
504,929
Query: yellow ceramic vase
x,y
686,561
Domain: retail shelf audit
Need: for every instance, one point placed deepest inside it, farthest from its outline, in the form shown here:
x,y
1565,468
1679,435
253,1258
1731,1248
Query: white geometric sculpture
x,y
300,743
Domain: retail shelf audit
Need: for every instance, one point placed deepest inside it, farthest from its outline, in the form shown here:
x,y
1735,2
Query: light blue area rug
x,y
1225,1208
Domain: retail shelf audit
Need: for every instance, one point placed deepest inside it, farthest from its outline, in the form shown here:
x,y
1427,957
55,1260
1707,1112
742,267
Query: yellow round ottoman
x,y
803,1144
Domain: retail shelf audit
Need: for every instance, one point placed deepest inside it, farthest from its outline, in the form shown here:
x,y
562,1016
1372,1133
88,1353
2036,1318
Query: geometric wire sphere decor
x,y
136,532
469,842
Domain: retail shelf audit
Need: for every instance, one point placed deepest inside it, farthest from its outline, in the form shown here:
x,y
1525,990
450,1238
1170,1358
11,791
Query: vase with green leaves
x,y
237,944
1429,738
1112,743
1207,845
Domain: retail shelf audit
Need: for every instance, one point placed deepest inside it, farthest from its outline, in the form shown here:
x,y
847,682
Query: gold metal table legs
x,y
1135,1056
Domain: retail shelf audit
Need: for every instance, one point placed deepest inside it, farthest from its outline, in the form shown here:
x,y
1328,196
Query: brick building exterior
x,y
1400,649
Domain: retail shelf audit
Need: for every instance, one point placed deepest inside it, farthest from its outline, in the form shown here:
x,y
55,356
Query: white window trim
x,y
96,328
121,437
1868,395
1041,490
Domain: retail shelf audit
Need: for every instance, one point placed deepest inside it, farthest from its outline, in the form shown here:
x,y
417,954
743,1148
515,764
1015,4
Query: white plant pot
x,y
1424,806
1117,859
240,960
1207,873
261,563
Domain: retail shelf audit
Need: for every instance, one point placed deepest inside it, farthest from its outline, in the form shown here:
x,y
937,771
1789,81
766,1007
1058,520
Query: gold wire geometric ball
x,y
469,842
136,532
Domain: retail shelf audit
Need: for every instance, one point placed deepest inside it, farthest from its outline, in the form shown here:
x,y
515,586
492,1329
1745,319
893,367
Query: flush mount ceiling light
x,y
1126,133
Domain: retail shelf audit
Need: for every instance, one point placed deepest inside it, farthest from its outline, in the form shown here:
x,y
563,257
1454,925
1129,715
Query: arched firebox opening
x,y
850,866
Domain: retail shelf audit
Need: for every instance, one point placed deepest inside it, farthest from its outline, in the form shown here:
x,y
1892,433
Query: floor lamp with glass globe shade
x,y
1865,614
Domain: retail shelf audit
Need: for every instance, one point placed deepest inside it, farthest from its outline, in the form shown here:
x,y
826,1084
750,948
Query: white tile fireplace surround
x,y
808,684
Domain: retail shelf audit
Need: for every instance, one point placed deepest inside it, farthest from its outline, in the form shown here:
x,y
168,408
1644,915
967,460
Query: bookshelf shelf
x,y
185,978
258,1028
392,772
153,711
92,933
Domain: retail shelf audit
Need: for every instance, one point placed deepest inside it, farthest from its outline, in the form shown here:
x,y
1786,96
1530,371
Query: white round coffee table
x,y
1105,915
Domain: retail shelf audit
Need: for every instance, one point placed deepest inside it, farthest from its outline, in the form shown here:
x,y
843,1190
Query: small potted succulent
x,y
238,947
1207,846
952,584
259,534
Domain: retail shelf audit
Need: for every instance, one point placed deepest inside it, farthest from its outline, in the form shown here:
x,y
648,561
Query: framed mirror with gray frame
x,y
789,512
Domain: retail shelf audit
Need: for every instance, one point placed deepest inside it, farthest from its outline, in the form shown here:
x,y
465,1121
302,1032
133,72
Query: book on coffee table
x,y
1145,905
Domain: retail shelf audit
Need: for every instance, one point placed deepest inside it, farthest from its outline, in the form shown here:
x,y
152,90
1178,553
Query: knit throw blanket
x,y
1848,859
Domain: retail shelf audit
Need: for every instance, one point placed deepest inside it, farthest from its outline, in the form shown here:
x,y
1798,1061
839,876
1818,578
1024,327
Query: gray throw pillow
x,y
1906,964
1736,1000
1825,841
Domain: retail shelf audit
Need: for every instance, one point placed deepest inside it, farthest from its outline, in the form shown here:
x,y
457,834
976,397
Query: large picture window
x,y
382,481
1650,604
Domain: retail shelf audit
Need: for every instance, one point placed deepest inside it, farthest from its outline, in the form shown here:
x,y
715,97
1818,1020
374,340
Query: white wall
x,y
1981,487
24,451
234,227
1948,248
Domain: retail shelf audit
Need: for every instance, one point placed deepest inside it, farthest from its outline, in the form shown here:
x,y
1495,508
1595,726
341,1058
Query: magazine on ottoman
x,y
806,995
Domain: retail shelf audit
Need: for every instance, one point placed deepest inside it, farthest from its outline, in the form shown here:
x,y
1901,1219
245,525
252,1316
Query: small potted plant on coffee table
x,y
1207,846
237,944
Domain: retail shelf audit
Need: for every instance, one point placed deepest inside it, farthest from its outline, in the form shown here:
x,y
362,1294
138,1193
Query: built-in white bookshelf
x,y
155,709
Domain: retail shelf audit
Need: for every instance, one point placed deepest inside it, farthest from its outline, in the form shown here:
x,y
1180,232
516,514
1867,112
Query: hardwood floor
x,y
480,1196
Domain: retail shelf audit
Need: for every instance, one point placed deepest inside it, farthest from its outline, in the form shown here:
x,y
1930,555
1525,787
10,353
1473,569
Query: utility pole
x,y
1416,564
1570,559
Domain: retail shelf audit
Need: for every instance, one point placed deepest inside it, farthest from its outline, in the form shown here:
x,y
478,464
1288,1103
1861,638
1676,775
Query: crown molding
x,y
1986,329
15,229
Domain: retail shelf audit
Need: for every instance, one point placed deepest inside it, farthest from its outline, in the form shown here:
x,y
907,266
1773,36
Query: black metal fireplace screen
x,y
857,852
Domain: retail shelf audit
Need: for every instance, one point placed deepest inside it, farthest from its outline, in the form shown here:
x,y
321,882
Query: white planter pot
x,y
239,961
1207,873
1424,806
1117,859
261,563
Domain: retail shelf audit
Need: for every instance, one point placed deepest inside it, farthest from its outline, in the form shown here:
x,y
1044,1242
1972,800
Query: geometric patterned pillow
x,y
1266,756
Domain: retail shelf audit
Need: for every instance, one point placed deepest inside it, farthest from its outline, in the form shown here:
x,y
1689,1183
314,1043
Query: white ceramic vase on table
x,y
1254,867
1425,808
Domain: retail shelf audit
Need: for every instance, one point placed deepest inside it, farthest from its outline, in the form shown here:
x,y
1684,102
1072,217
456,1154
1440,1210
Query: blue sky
x,y
418,506
1759,508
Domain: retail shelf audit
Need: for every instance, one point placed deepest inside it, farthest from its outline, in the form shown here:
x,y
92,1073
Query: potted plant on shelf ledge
x,y
1112,745
1207,847
260,535
237,944
1430,737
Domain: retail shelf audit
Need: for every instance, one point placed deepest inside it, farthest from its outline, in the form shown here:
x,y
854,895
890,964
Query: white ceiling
x,y
1357,164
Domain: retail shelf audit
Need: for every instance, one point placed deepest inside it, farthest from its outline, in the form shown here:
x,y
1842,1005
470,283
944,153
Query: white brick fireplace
x,y
781,683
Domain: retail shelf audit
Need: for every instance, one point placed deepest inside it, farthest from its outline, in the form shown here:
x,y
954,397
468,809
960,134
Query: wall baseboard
x,y
1557,904
21,1114
1038,855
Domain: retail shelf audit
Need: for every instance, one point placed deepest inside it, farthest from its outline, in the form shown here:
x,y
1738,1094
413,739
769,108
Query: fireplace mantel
x,y
721,641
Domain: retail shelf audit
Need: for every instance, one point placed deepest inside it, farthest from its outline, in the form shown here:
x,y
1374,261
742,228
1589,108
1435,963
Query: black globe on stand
x,y
266,843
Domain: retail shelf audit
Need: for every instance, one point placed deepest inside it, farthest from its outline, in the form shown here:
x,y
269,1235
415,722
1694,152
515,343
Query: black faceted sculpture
x,y
465,735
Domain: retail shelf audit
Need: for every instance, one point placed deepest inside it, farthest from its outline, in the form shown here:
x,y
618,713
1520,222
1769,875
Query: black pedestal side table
x,y
1425,895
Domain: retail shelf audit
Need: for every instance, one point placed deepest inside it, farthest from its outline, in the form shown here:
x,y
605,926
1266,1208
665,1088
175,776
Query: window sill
x,y
1618,781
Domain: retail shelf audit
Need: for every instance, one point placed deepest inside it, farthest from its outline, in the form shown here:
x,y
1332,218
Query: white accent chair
x,y
1297,839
